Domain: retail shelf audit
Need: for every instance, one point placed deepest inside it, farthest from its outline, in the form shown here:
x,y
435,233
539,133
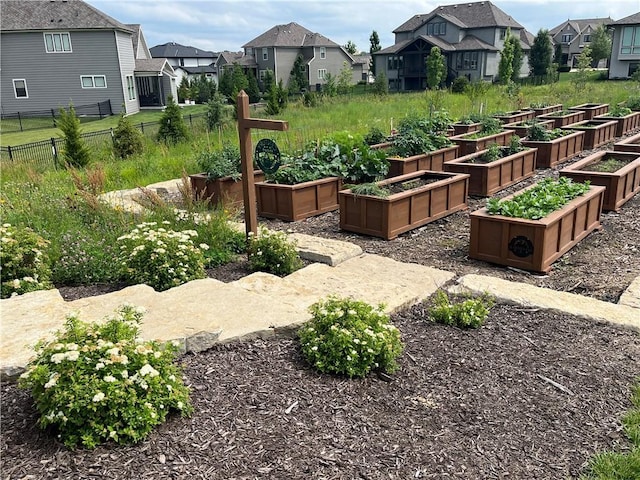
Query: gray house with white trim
x,y
54,52
574,35
187,61
625,47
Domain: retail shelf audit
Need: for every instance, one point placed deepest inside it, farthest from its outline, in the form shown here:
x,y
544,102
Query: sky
x,y
219,25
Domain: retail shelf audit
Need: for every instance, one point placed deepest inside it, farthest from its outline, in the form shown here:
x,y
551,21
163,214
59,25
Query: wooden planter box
x,y
557,151
534,244
472,145
462,128
566,119
621,185
380,146
296,202
625,124
517,116
592,110
546,110
488,178
223,190
522,130
400,212
629,144
596,132
426,161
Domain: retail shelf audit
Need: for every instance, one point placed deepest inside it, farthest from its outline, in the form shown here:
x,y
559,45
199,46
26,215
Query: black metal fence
x,y
39,119
49,152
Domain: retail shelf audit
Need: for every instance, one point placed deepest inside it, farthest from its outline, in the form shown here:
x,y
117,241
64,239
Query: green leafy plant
x,y
633,102
545,197
172,127
372,189
99,382
374,135
273,252
127,139
159,257
459,84
350,337
215,111
224,162
539,104
471,118
24,261
618,111
492,153
490,125
470,313
76,153
537,133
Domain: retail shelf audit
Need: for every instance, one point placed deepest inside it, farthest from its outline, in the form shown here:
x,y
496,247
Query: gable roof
x,y
582,23
25,15
154,65
632,19
290,35
464,15
175,50
140,49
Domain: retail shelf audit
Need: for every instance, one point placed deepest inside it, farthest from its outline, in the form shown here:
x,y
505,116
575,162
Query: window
x,y
93,81
20,88
437,28
322,72
131,88
323,52
630,41
586,38
182,62
395,62
57,42
265,54
503,33
566,37
467,61
262,74
249,51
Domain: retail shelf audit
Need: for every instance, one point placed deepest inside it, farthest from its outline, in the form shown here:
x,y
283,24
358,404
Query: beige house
x,y
574,35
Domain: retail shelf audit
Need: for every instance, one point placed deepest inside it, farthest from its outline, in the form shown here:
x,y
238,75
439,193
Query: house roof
x,y
25,15
289,35
198,70
464,15
580,24
153,65
175,50
632,19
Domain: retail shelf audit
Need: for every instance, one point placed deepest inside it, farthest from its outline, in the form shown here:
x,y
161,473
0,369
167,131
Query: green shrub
x,y
273,252
459,85
470,313
618,111
172,127
75,153
94,383
310,99
159,257
220,163
350,337
374,135
24,261
634,102
215,111
127,139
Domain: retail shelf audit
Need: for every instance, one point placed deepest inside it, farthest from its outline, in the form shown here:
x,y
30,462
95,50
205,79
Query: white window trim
x,y
46,49
93,81
323,52
131,90
265,54
15,92
322,72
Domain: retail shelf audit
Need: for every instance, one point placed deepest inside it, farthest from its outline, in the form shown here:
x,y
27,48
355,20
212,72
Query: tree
x,y
557,54
505,67
345,79
330,89
240,81
475,91
518,57
127,139
436,68
540,56
215,112
267,80
298,79
277,100
226,82
600,44
252,89
172,127
580,78
374,39
351,47
381,85
184,89
75,153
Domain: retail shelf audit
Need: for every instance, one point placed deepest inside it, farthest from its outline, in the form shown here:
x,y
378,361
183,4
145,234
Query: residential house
x,y
58,51
470,36
187,61
278,48
364,59
574,35
227,59
625,47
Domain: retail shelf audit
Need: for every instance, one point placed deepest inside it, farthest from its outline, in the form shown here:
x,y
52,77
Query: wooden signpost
x,y
245,124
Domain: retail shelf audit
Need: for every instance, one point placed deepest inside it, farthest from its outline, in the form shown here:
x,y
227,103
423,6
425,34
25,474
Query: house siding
x,y
284,58
24,56
127,67
619,65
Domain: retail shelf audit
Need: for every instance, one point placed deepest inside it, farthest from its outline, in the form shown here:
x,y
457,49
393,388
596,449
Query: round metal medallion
x,y
267,156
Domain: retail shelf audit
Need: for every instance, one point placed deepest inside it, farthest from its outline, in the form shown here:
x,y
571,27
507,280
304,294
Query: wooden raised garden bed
x,y
629,144
553,152
546,110
522,128
471,145
438,194
596,132
517,116
296,202
592,110
487,178
619,172
625,124
561,119
223,190
534,244
462,128
426,161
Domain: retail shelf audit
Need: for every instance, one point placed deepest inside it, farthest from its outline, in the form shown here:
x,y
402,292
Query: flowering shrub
x,y
95,383
24,263
471,313
272,252
350,337
161,258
